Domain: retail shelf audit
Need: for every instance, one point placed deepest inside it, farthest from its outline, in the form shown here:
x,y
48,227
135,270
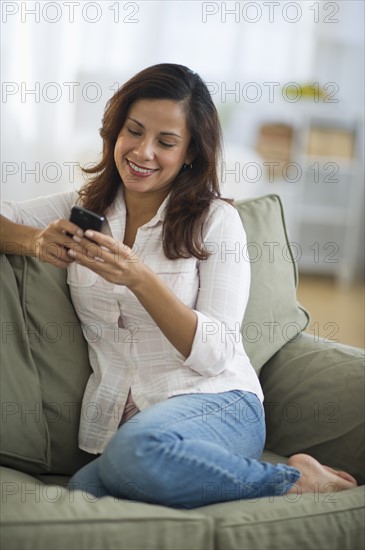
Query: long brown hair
x,y
194,187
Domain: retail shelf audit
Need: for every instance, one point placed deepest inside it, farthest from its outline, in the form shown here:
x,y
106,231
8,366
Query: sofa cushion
x,y
54,340
273,315
42,516
25,441
301,521
35,515
314,403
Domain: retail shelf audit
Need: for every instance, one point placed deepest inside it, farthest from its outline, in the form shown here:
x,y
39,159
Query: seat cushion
x,y
273,315
35,515
306,521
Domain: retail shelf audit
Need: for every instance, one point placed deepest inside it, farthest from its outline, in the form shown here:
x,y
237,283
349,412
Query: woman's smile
x,y
140,171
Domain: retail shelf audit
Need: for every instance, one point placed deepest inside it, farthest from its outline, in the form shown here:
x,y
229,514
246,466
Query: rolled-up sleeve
x,y
223,294
41,211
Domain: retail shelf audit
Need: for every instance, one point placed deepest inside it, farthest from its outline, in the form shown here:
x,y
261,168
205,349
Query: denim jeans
x,y
188,451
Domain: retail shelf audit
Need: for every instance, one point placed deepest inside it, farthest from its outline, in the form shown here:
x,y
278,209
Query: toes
x,y
347,476
344,475
310,461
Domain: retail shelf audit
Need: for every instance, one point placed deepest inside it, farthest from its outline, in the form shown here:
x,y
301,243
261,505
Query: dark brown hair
x,y
194,188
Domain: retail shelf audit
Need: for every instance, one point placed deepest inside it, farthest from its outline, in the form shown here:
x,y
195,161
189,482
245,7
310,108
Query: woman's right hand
x,y
51,243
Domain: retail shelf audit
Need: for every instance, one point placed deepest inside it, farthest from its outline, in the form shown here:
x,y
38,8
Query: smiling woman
x,y
171,288
152,147
162,119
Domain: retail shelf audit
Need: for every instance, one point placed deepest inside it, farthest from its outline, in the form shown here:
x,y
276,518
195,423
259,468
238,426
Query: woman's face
x,y
152,146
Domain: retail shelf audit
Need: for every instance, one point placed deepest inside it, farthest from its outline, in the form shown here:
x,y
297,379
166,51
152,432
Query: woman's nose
x,y
145,150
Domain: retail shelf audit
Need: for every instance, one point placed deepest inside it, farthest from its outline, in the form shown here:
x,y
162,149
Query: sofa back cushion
x,y
25,442
273,316
314,402
44,368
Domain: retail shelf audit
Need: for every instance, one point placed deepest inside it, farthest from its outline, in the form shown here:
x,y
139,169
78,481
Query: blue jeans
x,y
188,451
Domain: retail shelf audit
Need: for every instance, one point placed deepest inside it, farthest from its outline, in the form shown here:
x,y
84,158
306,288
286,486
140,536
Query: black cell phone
x,y
86,219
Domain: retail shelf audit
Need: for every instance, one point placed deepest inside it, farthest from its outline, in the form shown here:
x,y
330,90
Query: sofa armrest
x,y
314,402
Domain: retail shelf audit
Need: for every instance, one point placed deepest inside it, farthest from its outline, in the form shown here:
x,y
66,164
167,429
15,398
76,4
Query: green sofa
x,y
314,403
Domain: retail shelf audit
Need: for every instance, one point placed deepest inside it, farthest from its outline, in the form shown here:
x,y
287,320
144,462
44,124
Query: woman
x,y
173,409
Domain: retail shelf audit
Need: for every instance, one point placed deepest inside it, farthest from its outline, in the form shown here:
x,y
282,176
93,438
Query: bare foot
x,y
315,477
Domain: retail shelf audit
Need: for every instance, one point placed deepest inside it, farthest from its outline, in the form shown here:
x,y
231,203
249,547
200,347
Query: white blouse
x,y
127,350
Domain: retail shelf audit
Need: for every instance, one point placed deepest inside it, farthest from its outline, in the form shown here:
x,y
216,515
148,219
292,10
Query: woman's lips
x,y
140,171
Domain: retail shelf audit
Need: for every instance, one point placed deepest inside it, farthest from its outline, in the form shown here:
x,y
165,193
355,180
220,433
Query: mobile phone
x,y
86,219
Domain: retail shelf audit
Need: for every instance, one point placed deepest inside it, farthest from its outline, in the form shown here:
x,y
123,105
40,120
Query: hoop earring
x,y
188,166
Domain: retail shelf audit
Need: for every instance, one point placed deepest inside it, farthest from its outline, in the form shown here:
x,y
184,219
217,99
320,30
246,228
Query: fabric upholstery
x,y
273,315
314,403
56,351
53,518
25,441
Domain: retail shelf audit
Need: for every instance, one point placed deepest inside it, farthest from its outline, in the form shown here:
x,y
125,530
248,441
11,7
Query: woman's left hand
x,y
112,260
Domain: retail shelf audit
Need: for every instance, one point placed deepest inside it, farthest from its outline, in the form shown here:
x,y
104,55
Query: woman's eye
x,y
133,132
164,144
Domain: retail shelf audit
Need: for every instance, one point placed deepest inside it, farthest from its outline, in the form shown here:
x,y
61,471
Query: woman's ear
x,y
190,157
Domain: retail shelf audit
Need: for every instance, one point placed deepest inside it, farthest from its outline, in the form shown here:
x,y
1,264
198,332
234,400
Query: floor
x,y
337,311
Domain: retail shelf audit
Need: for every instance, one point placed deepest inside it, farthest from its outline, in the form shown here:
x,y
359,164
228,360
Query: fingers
x,y
105,256
62,232
102,247
85,252
120,250
60,263
65,226
100,238
55,254
52,242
